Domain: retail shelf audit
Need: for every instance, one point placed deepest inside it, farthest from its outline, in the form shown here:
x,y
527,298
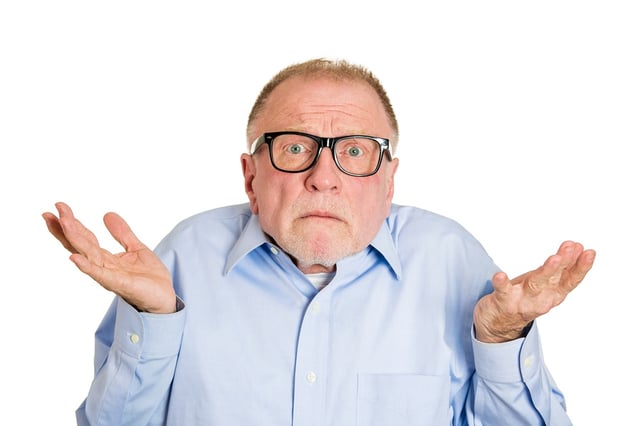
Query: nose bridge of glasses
x,y
323,142
326,143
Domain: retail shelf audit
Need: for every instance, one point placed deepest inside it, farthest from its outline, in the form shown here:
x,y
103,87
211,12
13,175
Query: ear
x,y
249,173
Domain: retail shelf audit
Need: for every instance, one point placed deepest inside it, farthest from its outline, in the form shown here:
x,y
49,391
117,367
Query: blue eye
x,y
354,151
295,149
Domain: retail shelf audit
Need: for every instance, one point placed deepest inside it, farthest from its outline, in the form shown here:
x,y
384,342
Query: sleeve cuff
x,y
146,335
509,361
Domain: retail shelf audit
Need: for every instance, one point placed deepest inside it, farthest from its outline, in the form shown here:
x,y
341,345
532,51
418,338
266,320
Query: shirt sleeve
x,y
513,386
135,359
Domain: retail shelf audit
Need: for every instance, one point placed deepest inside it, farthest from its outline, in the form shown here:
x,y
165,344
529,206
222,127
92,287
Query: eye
x,y
354,151
296,148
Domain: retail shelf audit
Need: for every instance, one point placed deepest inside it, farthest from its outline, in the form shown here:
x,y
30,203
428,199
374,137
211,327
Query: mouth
x,y
320,215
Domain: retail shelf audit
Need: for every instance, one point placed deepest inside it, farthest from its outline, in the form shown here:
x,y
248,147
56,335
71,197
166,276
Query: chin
x,y
318,245
323,252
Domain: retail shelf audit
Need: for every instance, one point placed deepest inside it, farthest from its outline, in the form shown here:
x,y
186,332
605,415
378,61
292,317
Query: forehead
x,y
324,105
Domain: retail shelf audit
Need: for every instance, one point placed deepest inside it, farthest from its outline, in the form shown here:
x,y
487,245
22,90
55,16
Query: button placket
x,y
311,360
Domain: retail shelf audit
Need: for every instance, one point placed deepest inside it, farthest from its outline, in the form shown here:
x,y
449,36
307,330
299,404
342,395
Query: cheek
x,y
262,186
370,207
376,197
270,199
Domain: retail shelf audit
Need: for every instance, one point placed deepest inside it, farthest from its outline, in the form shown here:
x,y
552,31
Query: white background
x,y
518,119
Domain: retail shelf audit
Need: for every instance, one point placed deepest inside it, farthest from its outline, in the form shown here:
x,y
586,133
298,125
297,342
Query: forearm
x,y
513,386
135,369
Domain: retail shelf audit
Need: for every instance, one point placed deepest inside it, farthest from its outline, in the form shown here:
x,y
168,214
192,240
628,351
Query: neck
x,y
315,268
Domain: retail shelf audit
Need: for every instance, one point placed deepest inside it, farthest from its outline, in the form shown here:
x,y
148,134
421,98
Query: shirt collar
x,y
384,244
253,237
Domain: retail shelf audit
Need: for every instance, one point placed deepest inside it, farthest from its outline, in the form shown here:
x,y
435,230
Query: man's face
x,y
322,215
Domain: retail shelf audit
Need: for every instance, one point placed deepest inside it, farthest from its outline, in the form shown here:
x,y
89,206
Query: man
x,y
319,302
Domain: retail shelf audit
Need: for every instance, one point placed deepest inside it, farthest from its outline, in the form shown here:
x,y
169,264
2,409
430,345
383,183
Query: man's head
x,y
339,70
321,215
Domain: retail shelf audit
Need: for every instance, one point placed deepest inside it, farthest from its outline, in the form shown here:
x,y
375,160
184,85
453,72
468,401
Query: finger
x,y
566,269
586,260
582,266
570,251
551,272
53,225
120,230
501,282
79,237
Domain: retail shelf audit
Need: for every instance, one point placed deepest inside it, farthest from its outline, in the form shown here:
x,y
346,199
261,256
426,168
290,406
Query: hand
x,y
503,315
137,275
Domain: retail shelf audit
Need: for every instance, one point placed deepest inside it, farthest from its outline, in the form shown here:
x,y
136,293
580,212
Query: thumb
x,y
500,282
121,232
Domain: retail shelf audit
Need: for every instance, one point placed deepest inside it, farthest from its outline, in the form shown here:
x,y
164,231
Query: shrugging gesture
x,y
137,274
505,313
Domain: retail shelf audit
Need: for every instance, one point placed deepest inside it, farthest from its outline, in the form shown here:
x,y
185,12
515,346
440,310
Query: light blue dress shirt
x,y
388,342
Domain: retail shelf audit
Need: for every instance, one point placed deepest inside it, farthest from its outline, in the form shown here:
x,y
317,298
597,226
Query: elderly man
x,y
319,302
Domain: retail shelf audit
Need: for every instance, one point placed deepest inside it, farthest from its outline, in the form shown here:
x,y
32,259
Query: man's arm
x,y
512,384
138,341
135,359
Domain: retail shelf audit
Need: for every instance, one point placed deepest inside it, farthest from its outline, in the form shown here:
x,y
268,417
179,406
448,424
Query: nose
x,y
324,175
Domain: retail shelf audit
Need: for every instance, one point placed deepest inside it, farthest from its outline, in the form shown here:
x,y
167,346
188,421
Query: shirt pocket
x,y
403,399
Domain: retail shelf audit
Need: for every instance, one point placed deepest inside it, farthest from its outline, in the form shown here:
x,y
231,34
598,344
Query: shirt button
x,y
528,361
311,377
134,338
274,250
315,307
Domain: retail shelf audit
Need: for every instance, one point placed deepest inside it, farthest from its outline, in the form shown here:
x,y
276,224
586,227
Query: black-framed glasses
x,y
295,152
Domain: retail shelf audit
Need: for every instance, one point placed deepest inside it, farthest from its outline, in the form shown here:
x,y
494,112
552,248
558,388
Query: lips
x,y
321,215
